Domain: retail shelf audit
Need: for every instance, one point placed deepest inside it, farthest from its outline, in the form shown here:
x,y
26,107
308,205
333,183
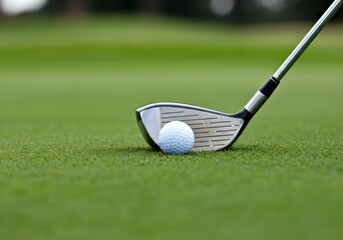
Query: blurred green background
x,y
73,164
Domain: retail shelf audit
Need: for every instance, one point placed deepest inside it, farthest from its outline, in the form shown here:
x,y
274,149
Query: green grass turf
x,y
73,164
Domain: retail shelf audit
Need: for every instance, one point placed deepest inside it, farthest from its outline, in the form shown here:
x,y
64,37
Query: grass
x,y
74,166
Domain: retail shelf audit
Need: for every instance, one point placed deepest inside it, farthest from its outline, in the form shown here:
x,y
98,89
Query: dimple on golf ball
x,y
176,138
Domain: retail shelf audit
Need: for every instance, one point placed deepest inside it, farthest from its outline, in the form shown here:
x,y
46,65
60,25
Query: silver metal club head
x,y
212,130
216,130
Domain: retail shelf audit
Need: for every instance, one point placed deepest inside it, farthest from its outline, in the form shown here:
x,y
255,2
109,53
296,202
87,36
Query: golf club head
x,y
213,130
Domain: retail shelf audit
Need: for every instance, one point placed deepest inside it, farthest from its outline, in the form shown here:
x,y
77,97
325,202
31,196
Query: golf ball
x,y
176,138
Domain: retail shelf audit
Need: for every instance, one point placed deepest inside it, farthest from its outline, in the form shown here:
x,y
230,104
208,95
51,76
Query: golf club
x,y
215,130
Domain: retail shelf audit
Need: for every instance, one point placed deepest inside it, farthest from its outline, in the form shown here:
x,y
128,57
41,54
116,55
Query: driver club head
x,y
213,130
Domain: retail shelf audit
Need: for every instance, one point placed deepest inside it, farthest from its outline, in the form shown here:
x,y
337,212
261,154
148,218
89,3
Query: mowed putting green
x,y
73,164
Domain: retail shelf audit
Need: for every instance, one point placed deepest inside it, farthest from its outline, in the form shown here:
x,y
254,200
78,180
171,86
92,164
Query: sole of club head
x,y
213,130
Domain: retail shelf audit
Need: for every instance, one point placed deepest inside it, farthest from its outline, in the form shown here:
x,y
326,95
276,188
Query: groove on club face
x,y
212,130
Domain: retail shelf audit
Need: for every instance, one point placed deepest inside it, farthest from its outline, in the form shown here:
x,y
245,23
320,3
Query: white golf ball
x,y
176,138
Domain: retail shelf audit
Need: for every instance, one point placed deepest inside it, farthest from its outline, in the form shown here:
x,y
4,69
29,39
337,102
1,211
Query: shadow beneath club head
x,y
239,148
148,151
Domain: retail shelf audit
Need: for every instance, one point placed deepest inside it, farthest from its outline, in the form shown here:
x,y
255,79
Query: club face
x,y
213,130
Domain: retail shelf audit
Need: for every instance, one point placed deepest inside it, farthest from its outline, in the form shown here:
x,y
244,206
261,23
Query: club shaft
x,y
261,96
298,51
